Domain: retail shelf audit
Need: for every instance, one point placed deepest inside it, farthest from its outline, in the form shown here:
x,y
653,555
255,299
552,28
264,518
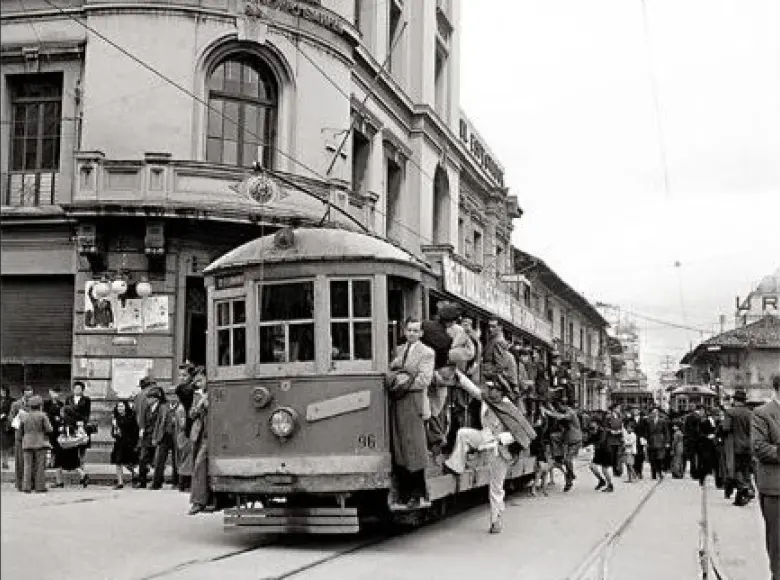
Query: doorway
x,y
196,322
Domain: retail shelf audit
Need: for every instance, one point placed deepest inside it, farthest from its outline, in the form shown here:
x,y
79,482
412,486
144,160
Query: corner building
x,y
130,130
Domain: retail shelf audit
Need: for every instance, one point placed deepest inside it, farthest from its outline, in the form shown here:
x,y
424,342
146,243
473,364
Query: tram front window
x,y
286,322
350,314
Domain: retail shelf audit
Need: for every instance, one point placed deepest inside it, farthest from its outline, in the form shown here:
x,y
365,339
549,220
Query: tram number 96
x,y
367,441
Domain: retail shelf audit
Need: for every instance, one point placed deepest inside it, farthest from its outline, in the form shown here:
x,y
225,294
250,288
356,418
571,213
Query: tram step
x,y
295,520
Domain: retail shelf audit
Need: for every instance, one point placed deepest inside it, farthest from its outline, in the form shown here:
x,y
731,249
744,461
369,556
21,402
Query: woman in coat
x,y
124,430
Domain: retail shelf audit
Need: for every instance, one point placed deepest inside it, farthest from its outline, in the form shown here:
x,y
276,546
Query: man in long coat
x,y
736,428
765,438
411,374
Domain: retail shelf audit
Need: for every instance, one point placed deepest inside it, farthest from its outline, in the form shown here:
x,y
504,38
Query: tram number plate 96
x,y
367,441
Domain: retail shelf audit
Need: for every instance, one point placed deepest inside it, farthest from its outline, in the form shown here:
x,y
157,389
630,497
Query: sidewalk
x,y
737,538
99,474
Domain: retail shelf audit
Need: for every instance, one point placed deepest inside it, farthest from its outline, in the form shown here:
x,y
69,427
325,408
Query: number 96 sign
x,y
366,441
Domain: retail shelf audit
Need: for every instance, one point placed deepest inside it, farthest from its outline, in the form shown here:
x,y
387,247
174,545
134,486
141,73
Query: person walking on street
x,y
691,428
640,428
6,431
572,438
35,428
707,451
16,414
124,430
765,436
678,452
736,428
613,426
601,465
658,440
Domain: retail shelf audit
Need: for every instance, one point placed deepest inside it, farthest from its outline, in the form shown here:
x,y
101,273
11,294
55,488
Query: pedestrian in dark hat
x,y
737,449
147,413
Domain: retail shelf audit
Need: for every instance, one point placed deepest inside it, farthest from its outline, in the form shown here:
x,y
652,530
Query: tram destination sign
x,y
229,281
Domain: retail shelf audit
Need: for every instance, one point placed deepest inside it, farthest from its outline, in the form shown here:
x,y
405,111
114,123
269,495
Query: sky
x,y
643,146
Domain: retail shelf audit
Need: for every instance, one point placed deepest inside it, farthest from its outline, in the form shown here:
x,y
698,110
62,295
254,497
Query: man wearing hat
x,y
736,428
147,404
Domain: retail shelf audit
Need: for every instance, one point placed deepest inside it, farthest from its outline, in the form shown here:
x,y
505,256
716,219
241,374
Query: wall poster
x,y
126,373
98,312
126,316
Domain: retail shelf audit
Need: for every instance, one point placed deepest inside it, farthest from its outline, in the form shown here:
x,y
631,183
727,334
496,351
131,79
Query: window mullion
x,y
286,342
39,139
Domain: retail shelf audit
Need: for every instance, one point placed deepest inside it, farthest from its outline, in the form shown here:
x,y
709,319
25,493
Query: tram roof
x,y
315,245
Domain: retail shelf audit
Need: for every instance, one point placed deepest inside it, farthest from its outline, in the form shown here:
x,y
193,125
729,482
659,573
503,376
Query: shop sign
x,y
310,10
489,295
471,286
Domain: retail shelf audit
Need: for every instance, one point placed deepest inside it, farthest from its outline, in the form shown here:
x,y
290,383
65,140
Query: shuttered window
x,y
36,319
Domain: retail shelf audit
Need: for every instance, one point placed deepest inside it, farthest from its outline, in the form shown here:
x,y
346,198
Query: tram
x,y
301,327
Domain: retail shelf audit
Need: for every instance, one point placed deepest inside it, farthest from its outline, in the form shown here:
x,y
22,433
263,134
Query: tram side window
x,y
350,314
231,333
286,322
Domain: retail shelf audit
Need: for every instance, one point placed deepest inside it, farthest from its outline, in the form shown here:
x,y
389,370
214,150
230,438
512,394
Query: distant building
x,y
746,357
579,331
763,301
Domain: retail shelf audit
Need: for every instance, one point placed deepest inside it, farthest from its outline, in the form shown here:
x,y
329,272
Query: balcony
x,y
28,189
182,188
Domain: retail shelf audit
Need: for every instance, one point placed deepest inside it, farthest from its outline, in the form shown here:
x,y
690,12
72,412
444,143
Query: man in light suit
x,y
412,372
765,435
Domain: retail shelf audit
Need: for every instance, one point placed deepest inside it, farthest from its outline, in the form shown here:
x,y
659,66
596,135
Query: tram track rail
x,y
595,565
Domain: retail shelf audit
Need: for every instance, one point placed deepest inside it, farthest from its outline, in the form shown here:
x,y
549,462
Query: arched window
x,y
243,100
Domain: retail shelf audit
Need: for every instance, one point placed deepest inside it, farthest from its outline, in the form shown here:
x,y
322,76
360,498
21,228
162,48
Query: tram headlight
x,y
283,422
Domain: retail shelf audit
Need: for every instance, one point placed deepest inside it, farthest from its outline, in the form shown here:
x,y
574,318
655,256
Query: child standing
x,y
629,450
35,428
